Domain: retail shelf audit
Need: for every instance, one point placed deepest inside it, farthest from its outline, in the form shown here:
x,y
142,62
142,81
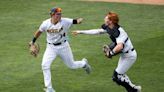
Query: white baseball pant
x,y
126,60
65,52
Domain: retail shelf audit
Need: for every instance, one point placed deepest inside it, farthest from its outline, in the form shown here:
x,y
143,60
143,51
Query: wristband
x,y
34,39
112,52
74,21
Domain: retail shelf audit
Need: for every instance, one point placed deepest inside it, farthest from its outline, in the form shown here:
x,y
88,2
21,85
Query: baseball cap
x,y
55,10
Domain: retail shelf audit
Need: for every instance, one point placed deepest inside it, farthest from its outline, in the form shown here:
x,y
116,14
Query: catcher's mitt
x,y
107,50
34,49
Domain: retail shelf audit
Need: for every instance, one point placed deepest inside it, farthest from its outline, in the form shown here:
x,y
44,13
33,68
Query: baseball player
x,y
56,29
121,44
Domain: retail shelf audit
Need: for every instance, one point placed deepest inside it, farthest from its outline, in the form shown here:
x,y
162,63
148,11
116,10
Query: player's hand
x,y
75,33
34,49
30,43
79,20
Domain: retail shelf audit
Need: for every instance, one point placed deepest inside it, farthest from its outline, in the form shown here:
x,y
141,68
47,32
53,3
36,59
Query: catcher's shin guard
x,y
123,80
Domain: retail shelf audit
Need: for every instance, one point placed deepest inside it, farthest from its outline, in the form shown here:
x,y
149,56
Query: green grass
x,y
20,72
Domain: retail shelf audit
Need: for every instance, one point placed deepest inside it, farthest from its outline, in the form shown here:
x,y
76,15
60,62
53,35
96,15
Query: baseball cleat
x,y
87,67
49,90
138,88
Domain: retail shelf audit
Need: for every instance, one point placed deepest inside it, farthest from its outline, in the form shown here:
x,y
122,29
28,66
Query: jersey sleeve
x,y
122,37
92,31
42,27
68,22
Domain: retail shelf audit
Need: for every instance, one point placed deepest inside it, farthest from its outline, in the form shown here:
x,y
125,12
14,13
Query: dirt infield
x,y
155,2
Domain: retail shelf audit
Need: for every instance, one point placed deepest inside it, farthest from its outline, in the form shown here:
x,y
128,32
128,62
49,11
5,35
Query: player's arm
x,y
36,36
117,48
90,32
41,29
77,21
34,48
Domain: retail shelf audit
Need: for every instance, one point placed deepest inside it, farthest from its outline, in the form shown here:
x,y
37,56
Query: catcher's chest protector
x,y
113,33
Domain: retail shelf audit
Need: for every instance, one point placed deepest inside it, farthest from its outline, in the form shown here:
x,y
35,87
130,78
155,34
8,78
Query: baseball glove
x,y
106,50
34,49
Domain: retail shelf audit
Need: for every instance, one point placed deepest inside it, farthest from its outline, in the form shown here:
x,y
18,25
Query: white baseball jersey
x,y
121,39
56,33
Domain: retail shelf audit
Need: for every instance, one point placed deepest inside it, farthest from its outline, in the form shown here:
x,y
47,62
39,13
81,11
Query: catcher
x,y
121,44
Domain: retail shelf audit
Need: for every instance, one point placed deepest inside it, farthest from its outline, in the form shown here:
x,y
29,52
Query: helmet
x,y
55,10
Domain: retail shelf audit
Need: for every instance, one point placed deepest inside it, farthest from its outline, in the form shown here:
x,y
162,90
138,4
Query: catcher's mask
x,y
55,10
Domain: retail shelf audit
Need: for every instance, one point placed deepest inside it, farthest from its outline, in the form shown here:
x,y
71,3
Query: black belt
x,y
129,50
58,43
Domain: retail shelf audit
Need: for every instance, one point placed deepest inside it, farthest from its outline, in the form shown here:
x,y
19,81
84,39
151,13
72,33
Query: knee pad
x,y
123,80
115,78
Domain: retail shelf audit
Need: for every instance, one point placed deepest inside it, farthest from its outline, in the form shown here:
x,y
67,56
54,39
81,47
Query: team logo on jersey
x,y
55,30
